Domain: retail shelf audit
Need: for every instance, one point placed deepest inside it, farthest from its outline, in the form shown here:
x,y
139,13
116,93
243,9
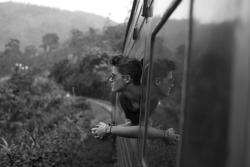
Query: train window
x,y
136,23
160,6
163,105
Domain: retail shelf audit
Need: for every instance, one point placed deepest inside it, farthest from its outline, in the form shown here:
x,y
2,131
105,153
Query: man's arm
x,y
127,131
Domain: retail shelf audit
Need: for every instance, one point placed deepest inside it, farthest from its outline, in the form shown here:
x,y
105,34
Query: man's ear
x,y
157,81
127,79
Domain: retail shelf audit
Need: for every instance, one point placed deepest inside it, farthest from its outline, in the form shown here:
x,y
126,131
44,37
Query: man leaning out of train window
x,y
126,80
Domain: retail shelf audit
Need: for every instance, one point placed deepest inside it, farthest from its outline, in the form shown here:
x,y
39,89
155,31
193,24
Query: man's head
x,y
124,71
162,76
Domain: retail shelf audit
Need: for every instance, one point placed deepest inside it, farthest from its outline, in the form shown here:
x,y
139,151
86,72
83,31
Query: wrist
x,y
108,130
166,133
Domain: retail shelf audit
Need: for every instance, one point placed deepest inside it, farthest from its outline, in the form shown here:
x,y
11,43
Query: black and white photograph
x,y
124,83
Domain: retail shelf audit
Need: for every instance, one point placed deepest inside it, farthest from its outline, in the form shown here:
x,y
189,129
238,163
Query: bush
x,y
40,126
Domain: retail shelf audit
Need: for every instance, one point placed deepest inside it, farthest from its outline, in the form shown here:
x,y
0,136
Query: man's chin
x,y
169,92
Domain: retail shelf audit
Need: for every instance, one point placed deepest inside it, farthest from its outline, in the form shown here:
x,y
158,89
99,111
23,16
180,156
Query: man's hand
x,y
100,130
171,136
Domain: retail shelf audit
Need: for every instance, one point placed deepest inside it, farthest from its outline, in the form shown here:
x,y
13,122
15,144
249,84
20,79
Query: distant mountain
x,y
29,23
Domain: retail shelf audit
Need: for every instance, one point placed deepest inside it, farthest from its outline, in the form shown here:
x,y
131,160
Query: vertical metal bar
x,y
145,9
185,81
129,23
165,17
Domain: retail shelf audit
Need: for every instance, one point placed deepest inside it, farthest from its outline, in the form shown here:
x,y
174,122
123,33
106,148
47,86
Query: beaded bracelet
x,y
108,129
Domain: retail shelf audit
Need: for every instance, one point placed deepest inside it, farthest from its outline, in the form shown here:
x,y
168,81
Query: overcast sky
x,y
117,10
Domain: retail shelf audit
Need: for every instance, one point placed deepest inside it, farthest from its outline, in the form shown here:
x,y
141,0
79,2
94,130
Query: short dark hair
x,y
161,68
128,66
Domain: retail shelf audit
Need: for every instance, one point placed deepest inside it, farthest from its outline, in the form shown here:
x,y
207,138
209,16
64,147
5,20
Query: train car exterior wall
x,y
209,41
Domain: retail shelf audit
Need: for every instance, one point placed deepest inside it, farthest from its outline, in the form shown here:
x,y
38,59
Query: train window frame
x,y
134,24
138,27
146,11
162,22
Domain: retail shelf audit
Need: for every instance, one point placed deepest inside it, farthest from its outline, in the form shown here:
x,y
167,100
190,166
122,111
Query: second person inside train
x,y
126,81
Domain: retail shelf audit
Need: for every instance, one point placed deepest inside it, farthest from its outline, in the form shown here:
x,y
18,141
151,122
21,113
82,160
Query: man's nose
x,y
171,83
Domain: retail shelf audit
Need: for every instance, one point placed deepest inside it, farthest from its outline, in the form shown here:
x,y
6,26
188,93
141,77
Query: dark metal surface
x,y
239,143
210,88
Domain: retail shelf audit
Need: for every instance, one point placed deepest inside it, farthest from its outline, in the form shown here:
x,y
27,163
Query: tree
x,y
10,56
92,32
87,76
115,35
77,42
30,51
76,34
13,45
50,41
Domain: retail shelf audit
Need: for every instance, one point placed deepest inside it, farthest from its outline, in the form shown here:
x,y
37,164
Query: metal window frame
x,y
133,21
139,31
186,81
162,22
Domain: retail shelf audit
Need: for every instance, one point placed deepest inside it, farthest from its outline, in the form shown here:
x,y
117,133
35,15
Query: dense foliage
x,y
53,49
40,126
86,77
44,121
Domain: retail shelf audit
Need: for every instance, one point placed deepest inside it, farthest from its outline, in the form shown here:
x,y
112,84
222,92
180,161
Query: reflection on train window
x,y
166,88
160,6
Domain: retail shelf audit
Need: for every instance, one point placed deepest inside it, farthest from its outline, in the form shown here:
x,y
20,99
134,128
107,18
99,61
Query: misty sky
x,y
117,10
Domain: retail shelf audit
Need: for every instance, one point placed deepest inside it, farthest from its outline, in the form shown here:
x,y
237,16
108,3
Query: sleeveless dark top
x,y
132,113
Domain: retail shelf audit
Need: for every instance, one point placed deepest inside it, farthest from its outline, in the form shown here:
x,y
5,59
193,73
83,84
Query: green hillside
x,y
29,23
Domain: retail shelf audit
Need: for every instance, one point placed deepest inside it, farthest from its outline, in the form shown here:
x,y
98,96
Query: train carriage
x,y
208,43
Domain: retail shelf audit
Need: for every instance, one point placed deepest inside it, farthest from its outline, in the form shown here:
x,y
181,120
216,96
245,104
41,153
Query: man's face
x,y
116,80
165,84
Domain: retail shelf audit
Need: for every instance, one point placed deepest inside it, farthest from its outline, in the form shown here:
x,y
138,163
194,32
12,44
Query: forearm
x,y
125,131
130,131
134,131
155,133
103,129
